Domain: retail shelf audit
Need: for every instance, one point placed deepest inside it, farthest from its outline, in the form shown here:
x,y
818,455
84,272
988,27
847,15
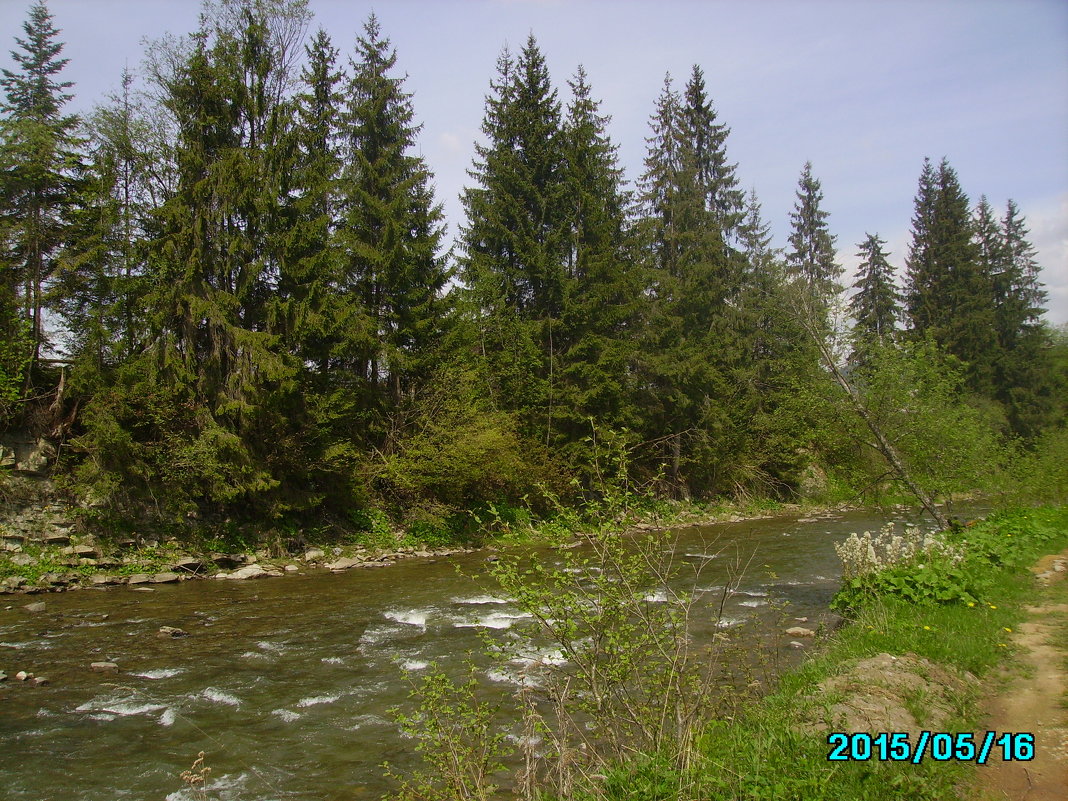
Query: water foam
x,y
316,700
481,599
496,620
215,695
161,673
124,706
411,617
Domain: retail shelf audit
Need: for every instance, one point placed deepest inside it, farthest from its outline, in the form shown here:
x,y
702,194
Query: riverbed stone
x,y
103,579
172,632
291,568
800,631
139,578
39,681
344,563
166,578
104,667
38,606
248,572
22,675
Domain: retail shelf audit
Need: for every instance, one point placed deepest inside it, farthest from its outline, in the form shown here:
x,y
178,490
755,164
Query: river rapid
x,y
287,683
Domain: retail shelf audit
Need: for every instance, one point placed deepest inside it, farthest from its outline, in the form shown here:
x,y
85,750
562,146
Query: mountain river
x,y
287,683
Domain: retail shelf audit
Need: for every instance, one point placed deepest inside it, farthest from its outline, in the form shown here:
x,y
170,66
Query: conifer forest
x,y
227,294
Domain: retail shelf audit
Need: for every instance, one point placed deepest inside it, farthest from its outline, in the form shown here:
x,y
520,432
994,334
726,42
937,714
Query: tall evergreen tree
x,y
102,282
39,162
308,316
920,271
1023,370
754,237
392,233
207,411
876,306
704,142
949,294
515,246
812,245
690,340
596,336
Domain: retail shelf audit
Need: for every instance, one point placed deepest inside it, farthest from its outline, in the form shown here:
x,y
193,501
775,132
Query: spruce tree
x,y
215,383
812,251
38,157
754,237
920,272
876,306
100,289
515,246
392,232
690,339
704,142
307,314
775,359
949,293
1023,372
595,340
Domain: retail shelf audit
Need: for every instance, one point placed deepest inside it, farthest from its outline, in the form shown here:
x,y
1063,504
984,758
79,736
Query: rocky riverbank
x,y
79,562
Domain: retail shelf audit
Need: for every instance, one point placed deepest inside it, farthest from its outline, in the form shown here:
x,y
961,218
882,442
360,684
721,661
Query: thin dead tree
x,y
812,317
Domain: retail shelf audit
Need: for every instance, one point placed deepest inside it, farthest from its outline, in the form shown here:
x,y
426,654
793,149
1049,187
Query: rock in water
x,y
39,606
248,572
172,632
798,631
104,667
344,564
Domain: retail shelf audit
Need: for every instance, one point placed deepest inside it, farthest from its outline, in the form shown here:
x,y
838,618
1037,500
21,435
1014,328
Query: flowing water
x,y
287,683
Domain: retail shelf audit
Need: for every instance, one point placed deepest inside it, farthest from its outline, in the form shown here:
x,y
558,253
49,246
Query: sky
x,y
864,89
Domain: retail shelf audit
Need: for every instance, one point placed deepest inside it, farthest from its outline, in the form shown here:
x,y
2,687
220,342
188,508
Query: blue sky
x,y
865,90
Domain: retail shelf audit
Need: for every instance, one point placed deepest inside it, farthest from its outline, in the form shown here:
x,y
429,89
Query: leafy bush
x,y
453,448
955,566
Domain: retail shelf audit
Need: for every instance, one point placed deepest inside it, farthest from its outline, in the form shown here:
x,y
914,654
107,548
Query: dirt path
x,y
1037,700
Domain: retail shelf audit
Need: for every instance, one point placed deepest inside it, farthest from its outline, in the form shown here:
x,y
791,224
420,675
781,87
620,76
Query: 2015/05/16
x,y
939,746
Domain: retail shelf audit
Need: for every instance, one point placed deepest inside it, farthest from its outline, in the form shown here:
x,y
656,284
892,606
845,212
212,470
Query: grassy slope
x,y
762,754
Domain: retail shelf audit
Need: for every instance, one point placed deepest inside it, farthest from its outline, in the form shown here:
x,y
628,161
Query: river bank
x,y
906,665
43,550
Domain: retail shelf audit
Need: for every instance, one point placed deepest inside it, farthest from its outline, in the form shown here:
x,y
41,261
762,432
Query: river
x,y
287,683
